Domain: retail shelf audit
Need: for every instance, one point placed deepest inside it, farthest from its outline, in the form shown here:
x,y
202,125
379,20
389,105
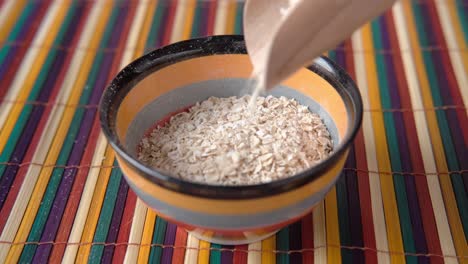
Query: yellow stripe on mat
x,y
147,237
204,252
189,15
392,221
333,229
32,75
436,140
231,17
53,153
268,248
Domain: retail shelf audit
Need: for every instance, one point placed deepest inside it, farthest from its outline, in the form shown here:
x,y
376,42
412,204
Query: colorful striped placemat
x,y
402,196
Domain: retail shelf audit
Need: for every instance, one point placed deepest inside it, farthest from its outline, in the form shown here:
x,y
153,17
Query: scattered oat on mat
x,y
219,141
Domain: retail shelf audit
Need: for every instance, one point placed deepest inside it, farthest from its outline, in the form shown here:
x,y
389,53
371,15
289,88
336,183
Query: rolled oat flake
x,y
220,142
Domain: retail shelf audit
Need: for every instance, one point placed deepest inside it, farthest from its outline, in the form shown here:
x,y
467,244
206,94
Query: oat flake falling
x,y
220,142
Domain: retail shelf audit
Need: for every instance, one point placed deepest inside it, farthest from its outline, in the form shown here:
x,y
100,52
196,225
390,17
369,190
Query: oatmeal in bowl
x,y
192,149
221,141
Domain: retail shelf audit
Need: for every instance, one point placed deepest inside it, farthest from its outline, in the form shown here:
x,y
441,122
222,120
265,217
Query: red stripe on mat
x,y
211,18
180,243
169,23
307,239
240,254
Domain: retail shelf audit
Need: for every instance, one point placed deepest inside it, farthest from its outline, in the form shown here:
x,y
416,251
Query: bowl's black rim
x,y
224,44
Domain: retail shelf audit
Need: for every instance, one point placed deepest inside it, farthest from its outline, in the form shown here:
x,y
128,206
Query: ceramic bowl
x,y
176,76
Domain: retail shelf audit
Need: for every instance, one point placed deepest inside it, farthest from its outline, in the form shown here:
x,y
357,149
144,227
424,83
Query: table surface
x,y
401,197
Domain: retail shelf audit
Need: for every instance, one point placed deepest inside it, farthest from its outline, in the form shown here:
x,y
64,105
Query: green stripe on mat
x,y
54,181
105,216
14,33
282,244
462,16
239,15
159,234
332,55
450,154
393,149
215,255
154,31
196,20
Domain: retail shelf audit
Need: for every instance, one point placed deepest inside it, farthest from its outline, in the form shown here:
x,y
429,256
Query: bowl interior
x,y
182,84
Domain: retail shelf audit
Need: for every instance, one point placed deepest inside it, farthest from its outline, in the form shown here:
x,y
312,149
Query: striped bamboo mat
x,y
401,198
